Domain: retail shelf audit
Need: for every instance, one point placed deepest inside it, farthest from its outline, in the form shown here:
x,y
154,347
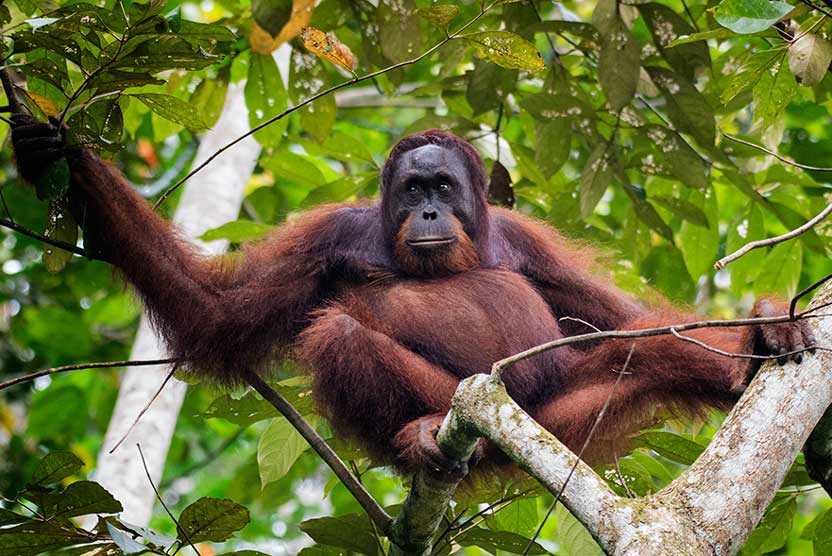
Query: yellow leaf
x,y
44,104
328,47
262,42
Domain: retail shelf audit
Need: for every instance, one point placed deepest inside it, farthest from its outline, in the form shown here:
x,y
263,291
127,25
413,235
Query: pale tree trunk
x,y
709,510
208,200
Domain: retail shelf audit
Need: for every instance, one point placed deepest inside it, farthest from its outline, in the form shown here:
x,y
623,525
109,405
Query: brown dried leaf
x,y
262,42
327,46
43,103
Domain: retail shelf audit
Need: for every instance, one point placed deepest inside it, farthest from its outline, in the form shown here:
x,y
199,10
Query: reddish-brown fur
x,y
388,334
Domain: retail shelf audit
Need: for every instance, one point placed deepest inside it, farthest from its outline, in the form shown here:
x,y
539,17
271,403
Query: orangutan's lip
x,y
431,241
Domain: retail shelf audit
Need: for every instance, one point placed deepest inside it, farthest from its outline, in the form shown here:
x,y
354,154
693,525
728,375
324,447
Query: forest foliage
x,y
640,127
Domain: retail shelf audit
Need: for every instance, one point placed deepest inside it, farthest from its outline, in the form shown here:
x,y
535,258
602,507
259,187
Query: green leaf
x,y
488,86
340,189
99,125
750,16
8,517
634,475
773,92
749,75
340,146
54,467
237,231
506,50
809,58
174,109
279,448
53,183
271,15
119,80
682,208
439,16
399,31
700,244
294,168
822,541
209,95
308,77
572,536
647,214
773,531
36,537
519,517
671,156
672,446
781,269
86,497
687,108
498,541
552,145
666,26
352,532
551,106
49,407
211,519
251,408
265,98
747,227
720,33
619,65
595,178
60,226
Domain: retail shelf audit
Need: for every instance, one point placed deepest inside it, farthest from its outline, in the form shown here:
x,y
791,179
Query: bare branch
x,y
162,502
378,516
779,157
6,223
774,240
80,366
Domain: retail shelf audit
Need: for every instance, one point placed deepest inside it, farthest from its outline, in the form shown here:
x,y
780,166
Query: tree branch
x,y
774,240
6,223
79,366
378,516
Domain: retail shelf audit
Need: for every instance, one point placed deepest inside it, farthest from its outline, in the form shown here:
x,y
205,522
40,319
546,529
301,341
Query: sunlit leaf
x,y
595,178
750,16
174,109
809,58
440,16
280,446
327,46
60,226
265,98
237,231
506,50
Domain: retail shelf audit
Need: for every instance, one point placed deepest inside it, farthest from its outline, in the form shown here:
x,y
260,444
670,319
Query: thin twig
x,y
501,365
733,355
805,291
774,240
585,445
145,408
318,95
377,515
6,223
779,157
80,366
179,528
818,8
